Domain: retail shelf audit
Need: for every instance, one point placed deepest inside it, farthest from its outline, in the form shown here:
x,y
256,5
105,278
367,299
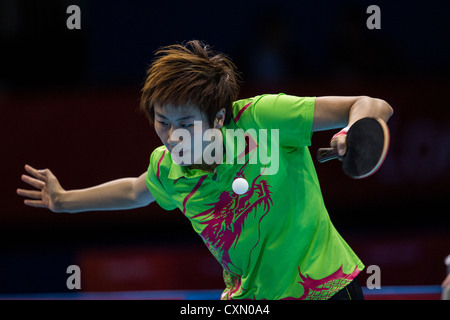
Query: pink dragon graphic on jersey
x,y
225,220
322,289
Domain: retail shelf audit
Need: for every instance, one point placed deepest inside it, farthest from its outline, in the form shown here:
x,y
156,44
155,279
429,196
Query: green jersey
x,y
275,241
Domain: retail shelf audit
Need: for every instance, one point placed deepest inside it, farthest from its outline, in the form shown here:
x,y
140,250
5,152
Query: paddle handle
x,y
325,154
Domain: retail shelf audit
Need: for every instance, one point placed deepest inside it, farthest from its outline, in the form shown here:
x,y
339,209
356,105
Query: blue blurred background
x,y
69,102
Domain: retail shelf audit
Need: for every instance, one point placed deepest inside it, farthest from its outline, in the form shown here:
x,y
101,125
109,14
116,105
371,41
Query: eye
x,y
187,125
163,123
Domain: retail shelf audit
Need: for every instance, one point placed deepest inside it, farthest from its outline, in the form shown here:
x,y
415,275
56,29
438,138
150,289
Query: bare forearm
x,y
369,107
114,195
333,112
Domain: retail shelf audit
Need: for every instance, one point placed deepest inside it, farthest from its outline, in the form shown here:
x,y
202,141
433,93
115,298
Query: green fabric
x,y
276,241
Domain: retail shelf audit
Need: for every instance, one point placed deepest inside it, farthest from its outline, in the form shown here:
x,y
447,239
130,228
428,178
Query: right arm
x,y
120,194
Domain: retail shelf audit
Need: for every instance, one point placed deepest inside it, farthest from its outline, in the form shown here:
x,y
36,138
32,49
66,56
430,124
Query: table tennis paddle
x,y
367,146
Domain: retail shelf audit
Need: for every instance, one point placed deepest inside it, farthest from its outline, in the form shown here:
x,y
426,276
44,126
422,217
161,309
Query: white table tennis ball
x,y
240,185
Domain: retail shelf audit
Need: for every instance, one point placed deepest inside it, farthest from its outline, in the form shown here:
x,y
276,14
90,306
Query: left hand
x,y
48,189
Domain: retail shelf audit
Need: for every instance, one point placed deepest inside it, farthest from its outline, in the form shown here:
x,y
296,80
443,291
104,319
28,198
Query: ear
x,y
220,118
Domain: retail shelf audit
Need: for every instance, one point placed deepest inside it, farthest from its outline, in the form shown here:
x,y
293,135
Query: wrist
x,y
343,132
60,202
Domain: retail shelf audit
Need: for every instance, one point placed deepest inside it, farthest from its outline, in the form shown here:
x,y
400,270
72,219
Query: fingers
x,y
33,194
340,144
38,184
35,203
36,179
39,174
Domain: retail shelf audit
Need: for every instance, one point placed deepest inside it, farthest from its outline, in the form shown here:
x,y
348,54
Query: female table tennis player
x,y
276,240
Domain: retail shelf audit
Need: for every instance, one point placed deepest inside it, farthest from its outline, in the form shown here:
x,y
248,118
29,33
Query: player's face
x,y
170,118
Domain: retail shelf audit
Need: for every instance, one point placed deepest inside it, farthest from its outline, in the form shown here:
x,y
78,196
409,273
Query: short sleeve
x,y
154,180
292,115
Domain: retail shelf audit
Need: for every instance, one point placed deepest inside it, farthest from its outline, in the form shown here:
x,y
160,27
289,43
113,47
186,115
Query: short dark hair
x,y
191,74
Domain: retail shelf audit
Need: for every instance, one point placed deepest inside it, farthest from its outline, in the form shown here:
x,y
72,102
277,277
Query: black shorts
x,y
352,291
